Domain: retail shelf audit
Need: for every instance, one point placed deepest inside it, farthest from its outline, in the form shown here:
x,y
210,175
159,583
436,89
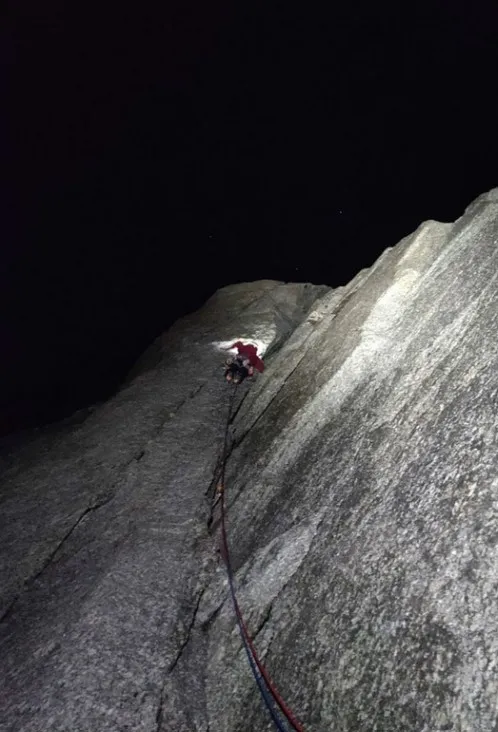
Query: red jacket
x,y
251,352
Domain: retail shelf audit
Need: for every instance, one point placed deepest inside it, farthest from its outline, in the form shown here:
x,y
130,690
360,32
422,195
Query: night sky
x,y
153,156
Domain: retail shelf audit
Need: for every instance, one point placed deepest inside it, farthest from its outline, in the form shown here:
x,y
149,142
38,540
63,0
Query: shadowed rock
x,y
362,514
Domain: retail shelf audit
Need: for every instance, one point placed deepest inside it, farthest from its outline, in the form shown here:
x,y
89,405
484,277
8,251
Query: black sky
x,y
154,155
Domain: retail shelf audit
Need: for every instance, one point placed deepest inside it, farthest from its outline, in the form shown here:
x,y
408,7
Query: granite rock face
x,y
362,497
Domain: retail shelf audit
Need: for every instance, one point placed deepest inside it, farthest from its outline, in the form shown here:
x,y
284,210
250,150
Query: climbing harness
x,y
272,699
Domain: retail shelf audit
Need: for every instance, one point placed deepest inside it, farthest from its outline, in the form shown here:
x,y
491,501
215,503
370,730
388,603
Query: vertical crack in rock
x,y
236,441
238,406
174,662
189,630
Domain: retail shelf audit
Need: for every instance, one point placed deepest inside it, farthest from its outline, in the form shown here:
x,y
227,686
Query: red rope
x,y
271,687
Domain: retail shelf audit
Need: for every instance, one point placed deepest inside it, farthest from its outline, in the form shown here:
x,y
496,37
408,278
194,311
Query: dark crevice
x,y
9,609
98,504
223,456
268,613
194,393
236,441
49,560
241,401
159,713
264,621
173,664
187,638
216,476
157,430
212,617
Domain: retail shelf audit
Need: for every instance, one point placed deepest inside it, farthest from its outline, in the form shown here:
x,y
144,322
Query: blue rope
x,y
267,698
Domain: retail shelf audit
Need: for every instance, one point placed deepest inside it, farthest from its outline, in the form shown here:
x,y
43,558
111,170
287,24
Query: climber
x,y
243,364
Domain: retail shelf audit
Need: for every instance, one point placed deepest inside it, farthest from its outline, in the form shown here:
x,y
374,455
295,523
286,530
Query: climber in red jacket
x,y
244,363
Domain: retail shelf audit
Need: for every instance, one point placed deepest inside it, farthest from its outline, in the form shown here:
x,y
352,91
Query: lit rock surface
x,y
362,490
